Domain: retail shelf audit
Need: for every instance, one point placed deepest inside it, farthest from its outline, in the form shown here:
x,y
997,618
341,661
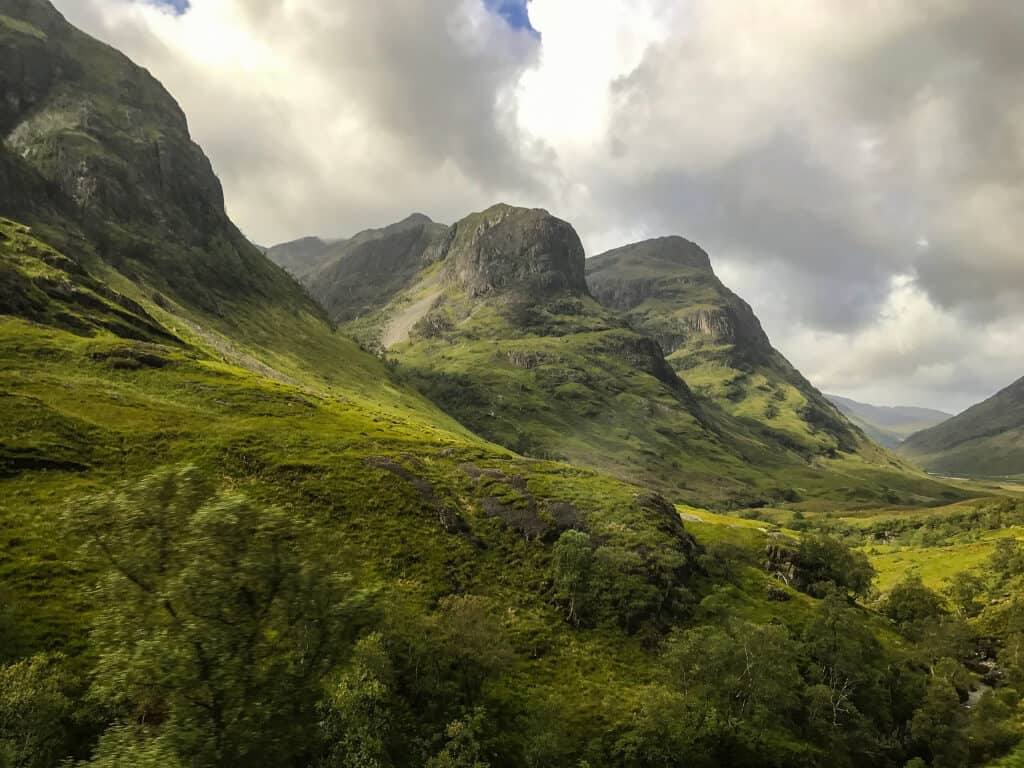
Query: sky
x,y
855,170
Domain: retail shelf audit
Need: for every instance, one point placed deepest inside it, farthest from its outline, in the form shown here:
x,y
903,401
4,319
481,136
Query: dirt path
x,y
400,325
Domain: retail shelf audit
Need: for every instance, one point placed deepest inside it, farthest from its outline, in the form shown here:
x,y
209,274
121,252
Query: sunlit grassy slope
x,y
568,379
97,388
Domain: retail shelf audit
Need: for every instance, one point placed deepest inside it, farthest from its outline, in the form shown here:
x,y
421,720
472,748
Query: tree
x,y
910,602
939,725
963,592
1007,559
216,620
823,560
463,748
358,715
34,713
136,746
572,565
743,680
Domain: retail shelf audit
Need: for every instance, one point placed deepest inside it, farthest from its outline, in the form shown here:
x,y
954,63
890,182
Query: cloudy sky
x,y
856,170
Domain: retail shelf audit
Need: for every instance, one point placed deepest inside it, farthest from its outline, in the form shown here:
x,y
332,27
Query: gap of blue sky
x,y
515,12
179,6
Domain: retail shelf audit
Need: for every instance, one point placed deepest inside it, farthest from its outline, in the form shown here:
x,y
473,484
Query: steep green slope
x,y
501,331
669,291
986,440
97,389
888,426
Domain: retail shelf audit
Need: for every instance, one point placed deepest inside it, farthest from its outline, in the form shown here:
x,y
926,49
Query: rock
x,y
507,249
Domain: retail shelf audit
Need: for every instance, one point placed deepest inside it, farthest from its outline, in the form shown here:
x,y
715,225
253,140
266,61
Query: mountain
x,y
888,425
299,257
501,329
350,277
668,290
113,150
229,536
986,440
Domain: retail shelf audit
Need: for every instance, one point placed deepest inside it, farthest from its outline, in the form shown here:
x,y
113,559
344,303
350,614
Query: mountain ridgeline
x,y
638,362
986,440
667,289
888,425
232,536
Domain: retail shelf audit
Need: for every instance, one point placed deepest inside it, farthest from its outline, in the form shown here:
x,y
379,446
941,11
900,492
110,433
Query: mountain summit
x,y
668,290
527,251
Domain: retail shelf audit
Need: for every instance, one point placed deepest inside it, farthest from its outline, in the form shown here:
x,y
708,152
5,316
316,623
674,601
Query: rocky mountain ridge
x,y
668,290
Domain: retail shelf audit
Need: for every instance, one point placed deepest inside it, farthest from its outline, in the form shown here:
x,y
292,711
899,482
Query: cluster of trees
x,y
227,633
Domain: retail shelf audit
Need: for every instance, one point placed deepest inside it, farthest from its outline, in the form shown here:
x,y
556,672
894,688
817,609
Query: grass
x,y
567,380
935,565
21,27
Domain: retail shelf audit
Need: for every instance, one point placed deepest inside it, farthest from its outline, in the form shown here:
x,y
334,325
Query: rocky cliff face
x,y
114,147
507,249
102,129
676,296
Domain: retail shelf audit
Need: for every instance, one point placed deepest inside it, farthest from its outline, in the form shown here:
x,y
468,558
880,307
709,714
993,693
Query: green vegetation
x,y
986,440
518,357
228,536
668,290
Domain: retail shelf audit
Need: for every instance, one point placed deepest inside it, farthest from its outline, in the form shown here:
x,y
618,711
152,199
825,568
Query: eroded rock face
x,y
506,249
676,273
99,128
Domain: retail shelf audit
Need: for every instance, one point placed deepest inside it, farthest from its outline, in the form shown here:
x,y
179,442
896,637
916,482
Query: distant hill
x,y
888,425
299,257
986,440
351,277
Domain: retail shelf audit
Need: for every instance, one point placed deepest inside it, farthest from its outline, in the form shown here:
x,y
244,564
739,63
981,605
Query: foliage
x,y
463,748
358,717
572,565
910,603
823,560
213,619
35,712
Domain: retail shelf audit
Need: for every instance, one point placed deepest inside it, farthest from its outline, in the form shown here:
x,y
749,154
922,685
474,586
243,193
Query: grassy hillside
x,y
229,536
436,527
986,440
668,290
521,353
888,426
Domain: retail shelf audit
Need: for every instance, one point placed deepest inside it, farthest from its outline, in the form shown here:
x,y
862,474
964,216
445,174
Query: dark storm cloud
x,y
330,117
857,169
861,148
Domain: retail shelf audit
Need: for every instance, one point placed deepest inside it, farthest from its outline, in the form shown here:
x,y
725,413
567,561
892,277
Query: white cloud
x,y
856,172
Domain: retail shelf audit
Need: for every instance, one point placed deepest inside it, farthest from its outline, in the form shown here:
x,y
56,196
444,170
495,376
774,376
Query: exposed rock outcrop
x,y
507,249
